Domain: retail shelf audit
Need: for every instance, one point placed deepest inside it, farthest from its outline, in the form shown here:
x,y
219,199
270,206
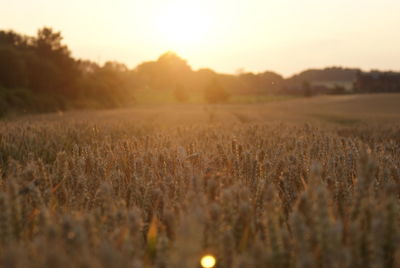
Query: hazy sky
x,y
286,36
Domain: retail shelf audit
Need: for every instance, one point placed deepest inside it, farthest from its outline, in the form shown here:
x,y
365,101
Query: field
x,y
311,182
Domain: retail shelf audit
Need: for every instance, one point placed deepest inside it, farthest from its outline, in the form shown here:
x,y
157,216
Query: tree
x,y
12,68
215,93
48,46
13,39
180,93
307,91
165,73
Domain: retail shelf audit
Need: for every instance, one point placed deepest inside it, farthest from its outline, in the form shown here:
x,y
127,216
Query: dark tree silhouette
x,y
48,45
12,68
48,77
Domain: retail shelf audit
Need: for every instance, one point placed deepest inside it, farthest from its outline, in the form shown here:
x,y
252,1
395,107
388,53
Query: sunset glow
x,y
286,36
181,24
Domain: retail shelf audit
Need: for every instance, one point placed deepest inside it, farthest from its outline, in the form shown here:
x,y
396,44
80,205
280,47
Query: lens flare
x,y
207,261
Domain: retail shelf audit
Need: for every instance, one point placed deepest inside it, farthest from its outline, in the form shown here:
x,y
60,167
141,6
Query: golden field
x,y
303,182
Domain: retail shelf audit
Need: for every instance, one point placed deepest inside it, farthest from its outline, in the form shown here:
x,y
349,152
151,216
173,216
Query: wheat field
x,y
297,183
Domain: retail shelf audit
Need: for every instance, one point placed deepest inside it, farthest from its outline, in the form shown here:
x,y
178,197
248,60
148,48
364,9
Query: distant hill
x,y
329,77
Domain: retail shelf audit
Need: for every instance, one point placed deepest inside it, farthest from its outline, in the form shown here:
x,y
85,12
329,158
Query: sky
x,y
286,36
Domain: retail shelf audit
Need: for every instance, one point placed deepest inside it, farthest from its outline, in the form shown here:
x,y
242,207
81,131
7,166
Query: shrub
x,y
215,93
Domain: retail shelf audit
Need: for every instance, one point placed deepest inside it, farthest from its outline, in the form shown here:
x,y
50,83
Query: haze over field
x,y
286,36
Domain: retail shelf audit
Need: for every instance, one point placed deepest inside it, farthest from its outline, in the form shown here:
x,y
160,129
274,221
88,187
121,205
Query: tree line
x,y
377,82
38,73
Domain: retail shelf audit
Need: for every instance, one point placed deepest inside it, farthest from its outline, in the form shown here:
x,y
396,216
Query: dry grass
x,y
257,186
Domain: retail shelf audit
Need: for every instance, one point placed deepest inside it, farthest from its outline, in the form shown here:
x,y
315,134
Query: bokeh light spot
x,y
207,261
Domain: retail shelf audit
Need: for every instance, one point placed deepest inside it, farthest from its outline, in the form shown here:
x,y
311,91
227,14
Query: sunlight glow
x,y
223,35
183,24
207,261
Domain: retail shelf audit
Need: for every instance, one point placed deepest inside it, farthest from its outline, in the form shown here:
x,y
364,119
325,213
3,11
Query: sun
x,y
183,24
